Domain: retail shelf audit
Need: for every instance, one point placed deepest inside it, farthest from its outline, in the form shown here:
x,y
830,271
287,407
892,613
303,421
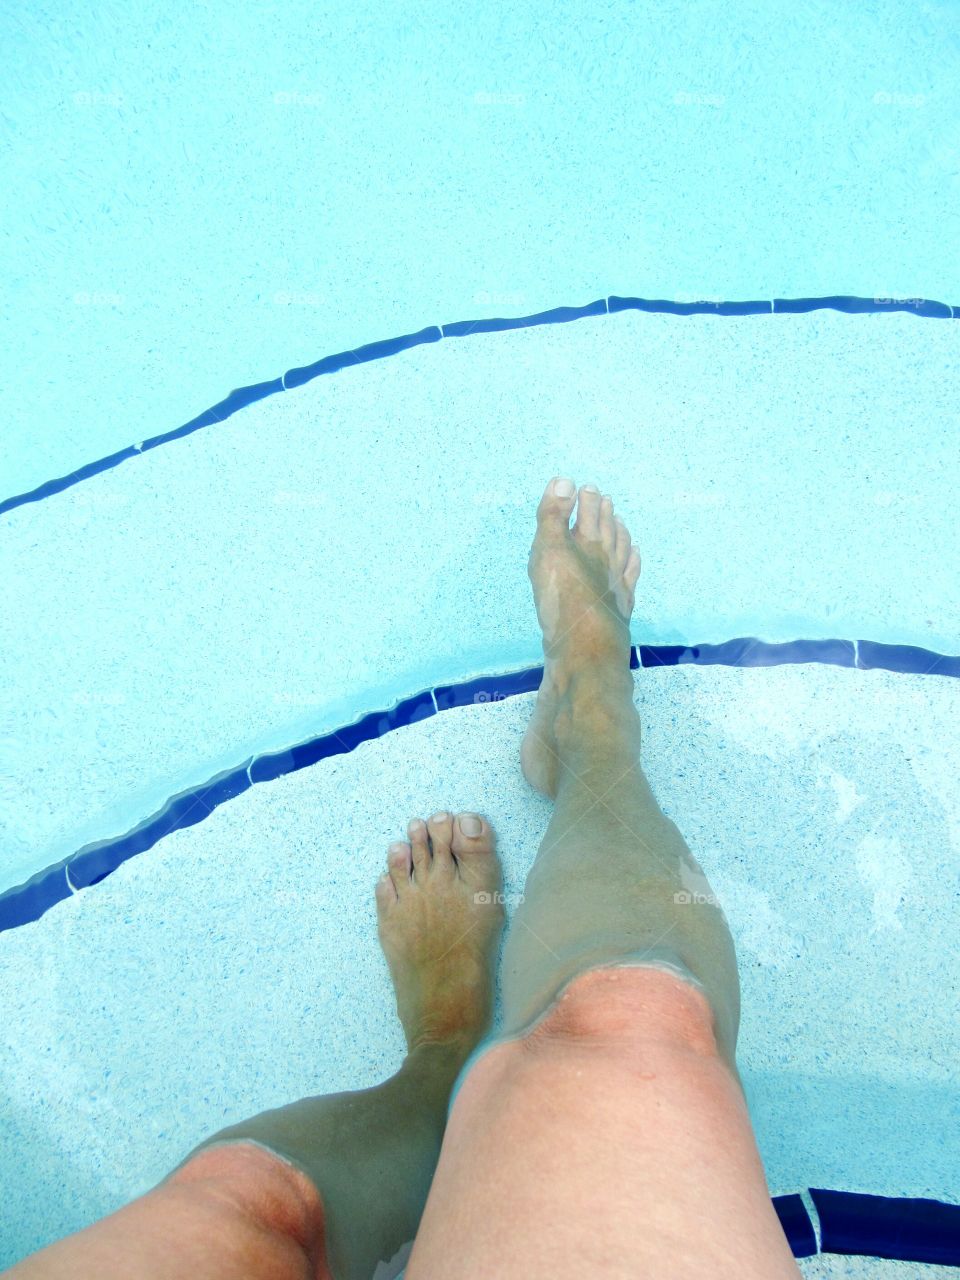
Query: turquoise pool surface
x,y
214,199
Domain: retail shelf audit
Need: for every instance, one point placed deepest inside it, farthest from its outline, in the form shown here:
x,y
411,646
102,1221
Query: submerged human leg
x,y
331,1186
605,1129
612,1140
612,880
372,1153
235,1211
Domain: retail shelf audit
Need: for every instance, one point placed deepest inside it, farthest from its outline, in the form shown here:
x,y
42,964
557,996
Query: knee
x,y
279,1206
628,1007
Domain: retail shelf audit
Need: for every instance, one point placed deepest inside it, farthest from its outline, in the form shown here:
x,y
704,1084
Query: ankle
x,y
431,1067
588,674
595,698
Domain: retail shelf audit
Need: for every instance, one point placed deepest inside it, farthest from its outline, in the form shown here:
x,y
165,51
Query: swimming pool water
x,y
209,201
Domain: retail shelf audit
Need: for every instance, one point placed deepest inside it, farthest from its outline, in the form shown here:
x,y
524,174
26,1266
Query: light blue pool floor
x,y
438,171
235,966
832,1266
328,550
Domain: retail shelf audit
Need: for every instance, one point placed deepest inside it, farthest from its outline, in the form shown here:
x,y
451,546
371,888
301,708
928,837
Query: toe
x,y
386,894
401,865
419,847
608,529
556,505
472,846
587,528
631,573
621,551
440,827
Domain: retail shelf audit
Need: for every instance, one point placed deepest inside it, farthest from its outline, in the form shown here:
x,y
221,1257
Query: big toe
x,y
472,846
556,506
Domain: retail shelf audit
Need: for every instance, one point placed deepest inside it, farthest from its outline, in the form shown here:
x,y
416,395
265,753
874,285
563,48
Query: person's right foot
x,y
583,587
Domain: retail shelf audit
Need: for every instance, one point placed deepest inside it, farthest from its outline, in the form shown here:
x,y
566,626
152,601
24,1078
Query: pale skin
x,y
607,1134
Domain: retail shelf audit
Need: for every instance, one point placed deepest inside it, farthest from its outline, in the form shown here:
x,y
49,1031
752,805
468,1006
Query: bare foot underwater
x,y
601,1129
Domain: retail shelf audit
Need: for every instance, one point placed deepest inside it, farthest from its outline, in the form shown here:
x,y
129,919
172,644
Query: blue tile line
x,y
29,901
851,1223
241,397
909,1229
796,1224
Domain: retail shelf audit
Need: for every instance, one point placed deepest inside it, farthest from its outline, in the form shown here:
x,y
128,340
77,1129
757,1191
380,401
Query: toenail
x,y
440,817
415,827
397,847
470,825
563,487
590,488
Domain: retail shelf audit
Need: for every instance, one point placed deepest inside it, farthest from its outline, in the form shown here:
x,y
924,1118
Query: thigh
x,y
613,1139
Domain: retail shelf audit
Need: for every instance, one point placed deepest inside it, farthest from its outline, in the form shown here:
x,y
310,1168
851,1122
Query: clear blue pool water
x,y
208,200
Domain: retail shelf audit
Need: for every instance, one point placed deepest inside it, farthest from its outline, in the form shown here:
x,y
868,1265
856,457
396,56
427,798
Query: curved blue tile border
x,y
243,396
906,657
887,1227
748,652
31,900
796,1224
851,1223
908,1229
91,864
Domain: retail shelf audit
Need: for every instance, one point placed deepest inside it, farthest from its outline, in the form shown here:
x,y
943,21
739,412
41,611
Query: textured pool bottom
x,y
236,967
27,902
244,396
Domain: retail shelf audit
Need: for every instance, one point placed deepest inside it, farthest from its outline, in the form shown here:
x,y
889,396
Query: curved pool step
x,y
241,397
88,866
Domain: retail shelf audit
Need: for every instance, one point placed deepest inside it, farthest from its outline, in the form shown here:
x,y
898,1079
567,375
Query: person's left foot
x,y
440,913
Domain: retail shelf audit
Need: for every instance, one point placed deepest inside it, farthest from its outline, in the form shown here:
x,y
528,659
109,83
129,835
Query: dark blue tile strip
x,y
744,308
244,396
488,688
860,306
225,786
28,902
701,307
558,315
888,1227
906,657
360,355
273,764
65,482
94,862
796,1224
749,652
206,419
